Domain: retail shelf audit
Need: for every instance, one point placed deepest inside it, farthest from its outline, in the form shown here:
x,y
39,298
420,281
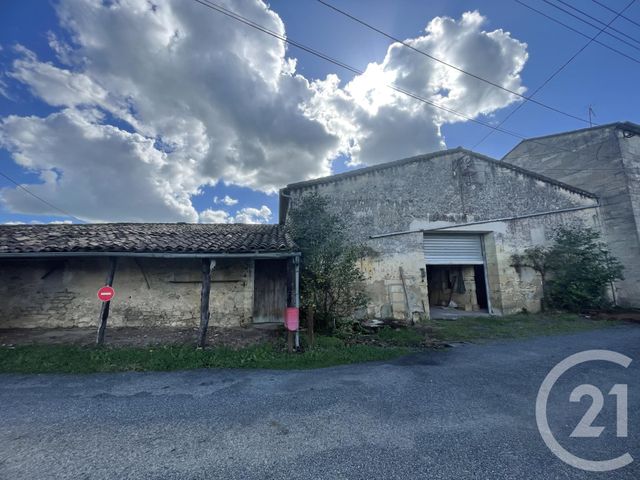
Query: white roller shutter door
x,y
452,249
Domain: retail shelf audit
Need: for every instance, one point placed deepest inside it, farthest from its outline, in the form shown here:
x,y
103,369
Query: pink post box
x,y
292,318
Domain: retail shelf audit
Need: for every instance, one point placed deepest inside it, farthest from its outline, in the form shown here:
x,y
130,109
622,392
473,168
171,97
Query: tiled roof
x,y
175,238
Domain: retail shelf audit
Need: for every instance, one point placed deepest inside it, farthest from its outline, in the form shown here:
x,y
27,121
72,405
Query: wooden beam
x,y
207,266
407,314
57,266
104,309
144,275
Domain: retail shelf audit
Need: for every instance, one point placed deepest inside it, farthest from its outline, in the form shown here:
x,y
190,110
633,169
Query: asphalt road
x,y
468,412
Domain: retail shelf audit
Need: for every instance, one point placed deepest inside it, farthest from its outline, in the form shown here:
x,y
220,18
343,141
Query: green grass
x,y
74,359
403,337
512,326
388,343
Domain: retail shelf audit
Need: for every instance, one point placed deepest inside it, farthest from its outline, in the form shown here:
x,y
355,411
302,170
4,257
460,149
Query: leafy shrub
x,y
331,283
576,270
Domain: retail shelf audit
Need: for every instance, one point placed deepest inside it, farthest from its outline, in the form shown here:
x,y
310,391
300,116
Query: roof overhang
x,y
249,255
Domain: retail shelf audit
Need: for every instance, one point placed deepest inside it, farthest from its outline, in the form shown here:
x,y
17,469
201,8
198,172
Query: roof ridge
x,y
417,158
623,124
529,173
372,168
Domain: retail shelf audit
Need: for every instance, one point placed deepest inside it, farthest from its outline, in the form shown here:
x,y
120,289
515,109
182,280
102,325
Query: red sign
x,y
106,293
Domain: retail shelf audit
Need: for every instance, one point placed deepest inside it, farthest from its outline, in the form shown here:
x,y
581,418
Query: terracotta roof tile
x,y
145,238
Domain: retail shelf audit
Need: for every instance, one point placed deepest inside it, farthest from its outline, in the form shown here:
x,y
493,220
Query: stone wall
x,y
606,162
169,296
516,289
435,191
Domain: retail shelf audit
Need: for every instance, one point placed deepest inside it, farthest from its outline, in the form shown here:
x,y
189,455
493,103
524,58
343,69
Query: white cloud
x,y
226,200
254,215
377,124
244,215
157,100
96,171
36,222
215,216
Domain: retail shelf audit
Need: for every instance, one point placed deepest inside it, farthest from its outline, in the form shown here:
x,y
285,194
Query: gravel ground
x,y
467,412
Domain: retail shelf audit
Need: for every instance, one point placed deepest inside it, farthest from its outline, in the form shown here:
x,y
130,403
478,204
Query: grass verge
x,y
512,326
402,337
74,359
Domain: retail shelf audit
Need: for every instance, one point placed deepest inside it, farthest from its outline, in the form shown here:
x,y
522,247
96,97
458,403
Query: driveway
x,y
467,412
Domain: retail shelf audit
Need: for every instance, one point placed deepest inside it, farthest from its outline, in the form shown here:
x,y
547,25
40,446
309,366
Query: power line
x,y
49,204
591,24
631,20
557,71
290,41
443,62
596,19
575,30
341,64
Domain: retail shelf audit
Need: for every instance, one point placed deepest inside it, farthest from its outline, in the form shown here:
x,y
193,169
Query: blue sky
x,y
597,77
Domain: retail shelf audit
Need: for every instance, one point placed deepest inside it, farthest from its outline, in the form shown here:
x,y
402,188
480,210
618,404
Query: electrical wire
x,y
596,19
575,30
591,24
556,72
631,20
290,41
317,53
443,62
29,192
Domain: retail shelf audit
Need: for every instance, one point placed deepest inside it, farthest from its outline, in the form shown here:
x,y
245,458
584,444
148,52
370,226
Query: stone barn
x,y
443,228
606,161
50,274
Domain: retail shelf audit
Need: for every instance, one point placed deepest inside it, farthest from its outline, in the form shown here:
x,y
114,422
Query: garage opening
x,y
456,277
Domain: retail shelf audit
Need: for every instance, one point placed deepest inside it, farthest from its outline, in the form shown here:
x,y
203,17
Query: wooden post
x,y
104,309
289,341
311,326
407,314
207,266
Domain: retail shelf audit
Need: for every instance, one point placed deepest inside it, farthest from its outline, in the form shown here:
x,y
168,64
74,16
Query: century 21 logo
x,y
585,428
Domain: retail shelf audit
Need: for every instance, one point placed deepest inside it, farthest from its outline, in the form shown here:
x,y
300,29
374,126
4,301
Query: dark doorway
x,y
270,291
481,287
446,283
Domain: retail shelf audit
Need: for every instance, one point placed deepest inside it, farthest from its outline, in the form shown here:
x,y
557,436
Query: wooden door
x,y
270,291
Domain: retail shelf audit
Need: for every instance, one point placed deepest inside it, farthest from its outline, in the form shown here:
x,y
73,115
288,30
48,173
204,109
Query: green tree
x,y
331,283
576,270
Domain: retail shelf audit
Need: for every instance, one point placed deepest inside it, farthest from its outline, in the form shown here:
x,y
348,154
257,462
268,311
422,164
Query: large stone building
x,y
604,160
50,274
443,228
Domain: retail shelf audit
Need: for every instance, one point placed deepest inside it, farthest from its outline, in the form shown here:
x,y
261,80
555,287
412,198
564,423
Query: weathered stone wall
x,y
630,151
385,286
606,162
514,289
67,296
431,192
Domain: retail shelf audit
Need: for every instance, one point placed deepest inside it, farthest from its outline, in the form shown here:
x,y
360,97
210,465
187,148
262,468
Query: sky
x,y
166,110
